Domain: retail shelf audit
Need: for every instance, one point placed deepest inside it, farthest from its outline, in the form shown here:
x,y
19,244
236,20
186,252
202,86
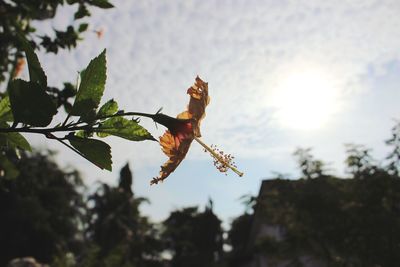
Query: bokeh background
x,y
281,75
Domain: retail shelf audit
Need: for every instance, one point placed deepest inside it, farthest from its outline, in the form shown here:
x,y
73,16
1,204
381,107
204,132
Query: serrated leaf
x,y
36,73
5,110
93,80
30,104
83,27
109,108
124,128
96,151
102,4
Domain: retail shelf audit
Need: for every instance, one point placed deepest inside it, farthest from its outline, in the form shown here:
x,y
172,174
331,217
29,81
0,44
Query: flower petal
x,y
176,140
176,149
199,100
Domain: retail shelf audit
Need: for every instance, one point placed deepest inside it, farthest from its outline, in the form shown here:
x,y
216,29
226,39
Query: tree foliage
x,y
193,238
40,209
121,236
331,221
17,18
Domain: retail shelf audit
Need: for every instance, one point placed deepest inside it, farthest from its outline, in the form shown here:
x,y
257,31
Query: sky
x,y
281,74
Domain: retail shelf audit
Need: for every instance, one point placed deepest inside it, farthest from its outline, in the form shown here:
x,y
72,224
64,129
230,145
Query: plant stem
x,y
218,157
70,127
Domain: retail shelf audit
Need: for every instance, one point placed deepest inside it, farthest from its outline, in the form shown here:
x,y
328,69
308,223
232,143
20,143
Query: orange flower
x,y
176,141
184,129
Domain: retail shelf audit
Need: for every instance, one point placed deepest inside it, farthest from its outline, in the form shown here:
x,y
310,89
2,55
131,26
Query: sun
x,y
305,99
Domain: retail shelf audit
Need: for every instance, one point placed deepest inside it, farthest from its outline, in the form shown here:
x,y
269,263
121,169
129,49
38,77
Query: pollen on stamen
x,y
223,160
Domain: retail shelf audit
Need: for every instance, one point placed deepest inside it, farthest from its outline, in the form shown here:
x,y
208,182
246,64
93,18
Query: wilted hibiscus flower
x,y
184,129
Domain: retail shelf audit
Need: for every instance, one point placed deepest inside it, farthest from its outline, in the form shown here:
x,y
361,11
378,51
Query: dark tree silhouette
x,y
193,238
121,236
393,158
329,220
238,239
40,210
359,161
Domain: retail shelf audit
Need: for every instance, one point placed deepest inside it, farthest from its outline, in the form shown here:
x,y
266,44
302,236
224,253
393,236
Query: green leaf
x,y
102,4
30,104
84,134
81,12
93,80
109,108
96,151
102,135
83,27
5,110
89,117
36,73
124,128
9,169
12,140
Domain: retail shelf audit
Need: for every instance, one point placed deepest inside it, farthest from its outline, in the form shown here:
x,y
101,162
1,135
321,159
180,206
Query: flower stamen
x,y
222,161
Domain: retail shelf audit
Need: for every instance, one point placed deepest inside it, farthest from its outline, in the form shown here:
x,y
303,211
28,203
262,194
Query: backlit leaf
x,y
109,108
93,80
96,151
36,73
124,128
5,110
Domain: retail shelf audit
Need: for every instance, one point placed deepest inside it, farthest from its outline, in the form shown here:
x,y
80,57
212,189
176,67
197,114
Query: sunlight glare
x,y
305,100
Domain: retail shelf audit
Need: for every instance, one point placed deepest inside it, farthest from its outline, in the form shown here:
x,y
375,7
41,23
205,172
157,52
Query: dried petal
x,y
199,100
176,141
176,149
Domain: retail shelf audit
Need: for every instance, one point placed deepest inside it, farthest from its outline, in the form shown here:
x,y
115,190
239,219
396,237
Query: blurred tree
x,y
359,161
336,222
310,168
18,17
238,239
120,235
194,238
40,210
393,158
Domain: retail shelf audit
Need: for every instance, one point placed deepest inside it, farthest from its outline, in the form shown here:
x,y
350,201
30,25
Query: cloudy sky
x,y
281,74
